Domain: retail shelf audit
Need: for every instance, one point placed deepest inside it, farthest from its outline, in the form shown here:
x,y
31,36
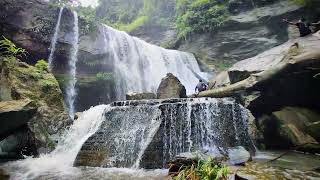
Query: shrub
x,y
200,16
205,169
42,65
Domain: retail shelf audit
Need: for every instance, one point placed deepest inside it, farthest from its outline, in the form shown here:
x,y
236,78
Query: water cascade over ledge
x,y
61,160
139,134
147,134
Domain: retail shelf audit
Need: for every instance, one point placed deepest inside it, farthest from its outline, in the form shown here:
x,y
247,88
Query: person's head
x,y
200,80
302,19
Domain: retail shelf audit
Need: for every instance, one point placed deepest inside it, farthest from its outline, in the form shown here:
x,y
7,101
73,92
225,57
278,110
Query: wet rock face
x,y
22,22
171,87
14,114
30,102
149,133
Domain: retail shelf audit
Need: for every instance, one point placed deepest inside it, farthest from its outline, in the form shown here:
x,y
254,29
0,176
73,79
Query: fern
x,y
9,49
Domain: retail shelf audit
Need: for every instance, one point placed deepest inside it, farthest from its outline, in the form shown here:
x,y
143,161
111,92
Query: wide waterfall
x,y
54,39
140,66
70,89
149,133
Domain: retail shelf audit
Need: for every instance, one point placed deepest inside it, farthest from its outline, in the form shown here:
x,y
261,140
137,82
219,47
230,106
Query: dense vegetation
x,y
187,16
199,15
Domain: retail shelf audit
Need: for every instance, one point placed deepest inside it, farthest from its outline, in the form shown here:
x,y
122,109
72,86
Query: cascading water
x,y
70,89
150,133
140,66
54,40
62,158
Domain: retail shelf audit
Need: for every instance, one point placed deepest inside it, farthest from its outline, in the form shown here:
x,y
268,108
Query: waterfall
x,y
149,133
54,40
62,158
140,66
70,89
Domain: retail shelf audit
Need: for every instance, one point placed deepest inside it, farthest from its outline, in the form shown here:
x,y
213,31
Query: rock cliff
x,y
287,75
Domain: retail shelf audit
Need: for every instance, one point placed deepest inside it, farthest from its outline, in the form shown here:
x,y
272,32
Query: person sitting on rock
x,y
201,86
303,26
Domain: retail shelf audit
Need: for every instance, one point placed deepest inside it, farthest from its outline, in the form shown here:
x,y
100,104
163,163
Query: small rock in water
x,y
238,155
77,115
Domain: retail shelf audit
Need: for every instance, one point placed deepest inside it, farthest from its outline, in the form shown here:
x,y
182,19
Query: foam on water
x,y
61,160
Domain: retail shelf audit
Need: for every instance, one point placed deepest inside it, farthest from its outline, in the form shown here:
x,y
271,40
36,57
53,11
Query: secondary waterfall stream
x,y
54,39
70,89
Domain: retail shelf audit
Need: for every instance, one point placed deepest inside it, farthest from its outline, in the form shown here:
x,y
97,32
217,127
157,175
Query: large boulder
x,y
31,103
291,127
171,87
19,112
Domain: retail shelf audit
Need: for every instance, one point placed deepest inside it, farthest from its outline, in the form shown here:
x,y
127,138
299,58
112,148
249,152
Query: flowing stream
x,y
54,40
70,89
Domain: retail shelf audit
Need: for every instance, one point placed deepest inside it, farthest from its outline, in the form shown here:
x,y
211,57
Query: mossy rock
x,y
20,81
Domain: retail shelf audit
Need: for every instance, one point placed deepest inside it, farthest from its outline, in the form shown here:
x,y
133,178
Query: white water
x,y
54,40
60,161
140,66
166,128
71,90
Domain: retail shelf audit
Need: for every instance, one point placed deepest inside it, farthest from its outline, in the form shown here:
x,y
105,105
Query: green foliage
x,y
199,16
42,65
141,20
104,76
223,65
206,170
308,3
9,49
